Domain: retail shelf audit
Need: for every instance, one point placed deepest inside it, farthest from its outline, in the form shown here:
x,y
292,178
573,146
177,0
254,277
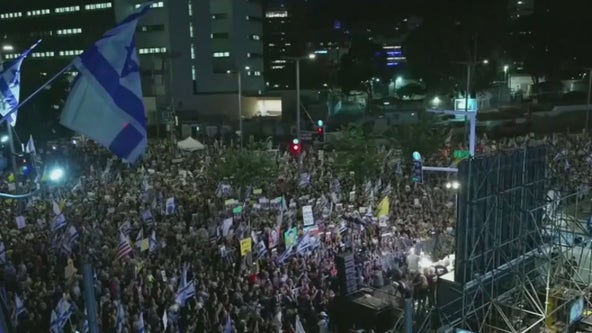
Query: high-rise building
x,y
190,50
520,8
278,45
66,30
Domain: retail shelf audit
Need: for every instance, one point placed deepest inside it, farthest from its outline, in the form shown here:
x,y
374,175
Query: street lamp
x,y
453,185
4,139
485,61
7,48
56,174
311,56
240,101
436,101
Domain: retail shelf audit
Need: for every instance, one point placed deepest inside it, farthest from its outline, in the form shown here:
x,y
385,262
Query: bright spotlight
x,y
74,142
56,174
485,61
436,101
312,56
453,185
4,139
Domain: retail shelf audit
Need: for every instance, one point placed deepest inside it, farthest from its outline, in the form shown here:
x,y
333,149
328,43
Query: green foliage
x,y
356,151
424,137
359,64
245,167
410,90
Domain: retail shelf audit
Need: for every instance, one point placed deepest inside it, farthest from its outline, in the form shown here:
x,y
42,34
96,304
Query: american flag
x,y
124,248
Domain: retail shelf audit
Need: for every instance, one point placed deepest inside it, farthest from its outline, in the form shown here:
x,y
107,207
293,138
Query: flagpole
x,y
12,152
35,93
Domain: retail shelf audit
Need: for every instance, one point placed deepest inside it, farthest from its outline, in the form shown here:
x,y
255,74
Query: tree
x,y
245,167
411,90
363,61
452,31
423,137
356,151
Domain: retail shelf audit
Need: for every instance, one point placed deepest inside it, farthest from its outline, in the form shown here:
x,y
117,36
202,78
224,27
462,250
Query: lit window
x,y
189,8
219,35
159,4
43,54
275,14
192,51
152,50
257,73
11,15
38,12
254,37
74,31
221,54
69,9
190,30
281,61
151,28
95,6
67,53
193,73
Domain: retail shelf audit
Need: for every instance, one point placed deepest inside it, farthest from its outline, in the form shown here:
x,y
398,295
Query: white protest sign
x,y
307,216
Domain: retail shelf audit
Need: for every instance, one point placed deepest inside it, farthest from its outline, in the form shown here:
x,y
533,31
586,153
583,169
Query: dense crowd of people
x,y
176,251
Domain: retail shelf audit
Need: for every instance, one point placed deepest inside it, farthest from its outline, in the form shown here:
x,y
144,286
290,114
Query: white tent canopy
x,y
190,144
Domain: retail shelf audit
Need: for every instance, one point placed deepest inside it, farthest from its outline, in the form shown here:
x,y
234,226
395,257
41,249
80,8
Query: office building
x,y
191,50
278,44
65,31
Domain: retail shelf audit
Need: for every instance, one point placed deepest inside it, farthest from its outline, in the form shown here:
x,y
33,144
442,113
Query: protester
x,y
176,251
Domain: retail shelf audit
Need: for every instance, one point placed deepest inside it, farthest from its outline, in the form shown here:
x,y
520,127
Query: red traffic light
x,y
320,130
295,147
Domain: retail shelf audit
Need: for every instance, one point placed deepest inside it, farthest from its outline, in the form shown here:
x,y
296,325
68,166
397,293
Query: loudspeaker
x,y
346,274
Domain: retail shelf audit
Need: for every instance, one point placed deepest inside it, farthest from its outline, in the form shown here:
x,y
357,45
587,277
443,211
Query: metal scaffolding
x,y
523,250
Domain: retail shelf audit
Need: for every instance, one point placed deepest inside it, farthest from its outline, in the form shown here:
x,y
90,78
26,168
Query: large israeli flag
x,y
10,86
106,102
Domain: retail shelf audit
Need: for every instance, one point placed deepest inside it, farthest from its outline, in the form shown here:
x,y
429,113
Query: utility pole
x,y
469,65
588,100
311,56
172,122
298,99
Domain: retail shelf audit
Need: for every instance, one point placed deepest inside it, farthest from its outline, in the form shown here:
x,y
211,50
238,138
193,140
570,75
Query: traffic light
x,y
296,147
321,131
417,169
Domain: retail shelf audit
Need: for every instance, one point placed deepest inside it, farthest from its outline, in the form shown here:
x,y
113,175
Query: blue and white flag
x,y
141,326
304,180
73,235
106,101
54,323
30,147
19,307
2,253
10,86
186,289
120,317
153,242
228,326
64,311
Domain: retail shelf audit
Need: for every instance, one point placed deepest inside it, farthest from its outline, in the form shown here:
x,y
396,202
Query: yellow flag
x,y
384,207
245,246
145,244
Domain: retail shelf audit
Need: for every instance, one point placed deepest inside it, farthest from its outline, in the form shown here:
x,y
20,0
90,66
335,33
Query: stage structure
x,y
514,247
